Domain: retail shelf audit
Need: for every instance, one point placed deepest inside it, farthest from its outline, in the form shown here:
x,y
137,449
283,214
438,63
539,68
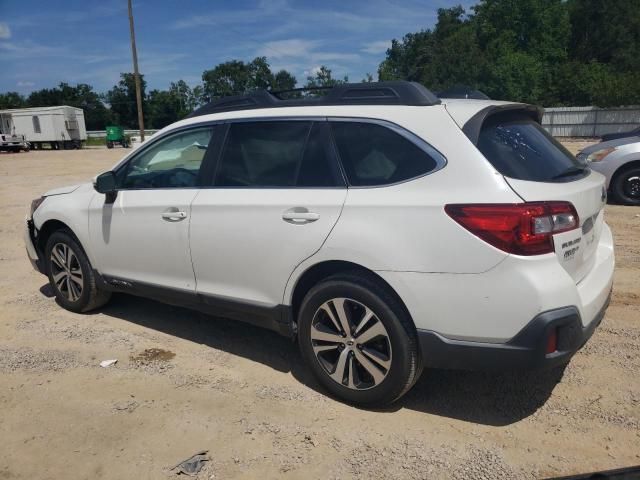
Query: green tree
x,y
283,80
228,78
197,97
550,52
323,78
11,100
167,106
239,78
122,100
607,32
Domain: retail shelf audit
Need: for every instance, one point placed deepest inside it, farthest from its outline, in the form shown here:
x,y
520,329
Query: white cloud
x,y
334,56
293,47
25,84
5,31
377,47
312,71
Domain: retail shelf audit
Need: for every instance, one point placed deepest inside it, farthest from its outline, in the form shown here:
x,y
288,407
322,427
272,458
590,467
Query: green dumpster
x,y
115,135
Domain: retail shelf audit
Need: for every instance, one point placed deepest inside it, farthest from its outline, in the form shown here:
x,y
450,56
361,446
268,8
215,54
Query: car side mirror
x,y
106,183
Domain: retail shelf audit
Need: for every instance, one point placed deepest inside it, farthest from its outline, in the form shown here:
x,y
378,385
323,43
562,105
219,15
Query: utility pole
x,y
136,74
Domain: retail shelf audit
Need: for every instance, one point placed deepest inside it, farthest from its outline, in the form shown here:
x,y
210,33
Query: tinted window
x,y
173,162
373,154
319,168
264,154
276,154
522,149
36,124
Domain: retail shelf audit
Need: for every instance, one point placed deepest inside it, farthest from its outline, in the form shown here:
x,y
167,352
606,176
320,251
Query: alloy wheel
x,y
66,272
351,343
632,186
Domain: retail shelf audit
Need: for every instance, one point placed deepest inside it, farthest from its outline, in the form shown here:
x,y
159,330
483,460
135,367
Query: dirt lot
x,y
242,394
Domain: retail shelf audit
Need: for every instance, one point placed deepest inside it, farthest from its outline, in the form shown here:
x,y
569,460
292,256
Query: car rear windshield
x,y
520,148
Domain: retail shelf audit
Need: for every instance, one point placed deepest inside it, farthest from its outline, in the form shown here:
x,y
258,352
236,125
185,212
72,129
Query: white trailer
x,y
60,127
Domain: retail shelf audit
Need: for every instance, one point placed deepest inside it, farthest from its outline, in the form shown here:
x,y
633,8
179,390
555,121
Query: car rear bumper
x,y
527,350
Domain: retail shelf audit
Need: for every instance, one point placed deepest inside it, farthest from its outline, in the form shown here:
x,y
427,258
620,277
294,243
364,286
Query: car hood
x,y
69,189
611,143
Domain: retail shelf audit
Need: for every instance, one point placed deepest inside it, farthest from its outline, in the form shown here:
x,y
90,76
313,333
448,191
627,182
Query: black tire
x,y
625,185
90,296
109,144
404,357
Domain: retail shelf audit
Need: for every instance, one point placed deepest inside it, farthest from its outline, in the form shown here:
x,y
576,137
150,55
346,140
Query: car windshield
x,y
522,149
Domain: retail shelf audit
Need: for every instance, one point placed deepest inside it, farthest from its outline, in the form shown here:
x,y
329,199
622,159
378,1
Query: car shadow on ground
x,y
485,398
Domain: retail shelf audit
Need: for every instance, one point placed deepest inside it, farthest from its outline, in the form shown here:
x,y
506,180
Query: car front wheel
x,y
70,274
358,340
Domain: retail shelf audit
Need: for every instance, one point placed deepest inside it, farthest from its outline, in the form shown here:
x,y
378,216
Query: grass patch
x,y
95,142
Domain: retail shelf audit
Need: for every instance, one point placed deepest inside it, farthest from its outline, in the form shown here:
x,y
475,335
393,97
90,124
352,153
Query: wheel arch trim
x,y
308,274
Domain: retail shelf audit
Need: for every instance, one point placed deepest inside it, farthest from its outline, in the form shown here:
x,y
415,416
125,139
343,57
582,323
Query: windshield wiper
x,y
569,172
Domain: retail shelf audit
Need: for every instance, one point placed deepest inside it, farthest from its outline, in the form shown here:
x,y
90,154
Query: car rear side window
x,y
277,154
374,154
522,149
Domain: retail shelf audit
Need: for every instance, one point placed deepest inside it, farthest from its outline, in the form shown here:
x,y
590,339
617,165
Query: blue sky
x,y
43,43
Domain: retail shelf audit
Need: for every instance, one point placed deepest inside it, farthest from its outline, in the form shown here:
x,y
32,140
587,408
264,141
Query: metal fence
x,y
131,133
589,121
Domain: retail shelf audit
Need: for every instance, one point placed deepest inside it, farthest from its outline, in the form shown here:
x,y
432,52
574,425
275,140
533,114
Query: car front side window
x,y
172,162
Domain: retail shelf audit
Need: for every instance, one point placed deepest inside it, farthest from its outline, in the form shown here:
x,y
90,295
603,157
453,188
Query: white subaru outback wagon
x,y
384,228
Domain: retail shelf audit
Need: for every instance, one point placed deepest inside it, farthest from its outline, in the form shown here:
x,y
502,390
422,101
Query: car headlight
x,y
599,155
35,203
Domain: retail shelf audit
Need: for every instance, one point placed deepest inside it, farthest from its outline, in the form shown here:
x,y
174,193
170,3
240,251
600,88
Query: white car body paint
x,y
234,243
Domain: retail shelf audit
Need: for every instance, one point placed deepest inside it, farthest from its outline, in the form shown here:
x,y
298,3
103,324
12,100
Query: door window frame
x,y
207,160
334,161
426,147
220,129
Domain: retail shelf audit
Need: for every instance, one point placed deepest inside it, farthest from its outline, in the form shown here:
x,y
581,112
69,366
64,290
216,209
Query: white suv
x,y
384,228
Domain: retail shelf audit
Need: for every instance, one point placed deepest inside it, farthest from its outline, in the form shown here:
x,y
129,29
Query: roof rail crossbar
x,y
376,93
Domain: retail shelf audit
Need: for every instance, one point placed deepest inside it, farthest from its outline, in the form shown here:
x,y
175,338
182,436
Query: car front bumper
x,y
527,350
29,235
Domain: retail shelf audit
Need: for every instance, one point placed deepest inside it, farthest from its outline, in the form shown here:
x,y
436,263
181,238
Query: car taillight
x,y
552,342
518,228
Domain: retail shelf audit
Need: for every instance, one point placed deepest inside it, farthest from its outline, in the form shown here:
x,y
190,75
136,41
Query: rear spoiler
x,y
473,126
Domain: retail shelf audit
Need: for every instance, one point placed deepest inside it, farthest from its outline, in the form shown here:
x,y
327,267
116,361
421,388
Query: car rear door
x,y
277,194
538,168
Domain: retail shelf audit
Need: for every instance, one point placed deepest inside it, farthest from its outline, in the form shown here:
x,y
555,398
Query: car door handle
x,y
173,215
300,216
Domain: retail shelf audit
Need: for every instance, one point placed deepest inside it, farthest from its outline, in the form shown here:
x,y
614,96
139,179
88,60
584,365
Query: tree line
x,y
546,52
163,107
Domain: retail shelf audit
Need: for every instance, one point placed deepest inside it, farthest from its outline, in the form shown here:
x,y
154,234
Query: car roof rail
x,y
373,93
463,91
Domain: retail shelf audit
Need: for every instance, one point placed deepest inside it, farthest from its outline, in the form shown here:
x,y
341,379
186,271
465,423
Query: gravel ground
x,y
185,382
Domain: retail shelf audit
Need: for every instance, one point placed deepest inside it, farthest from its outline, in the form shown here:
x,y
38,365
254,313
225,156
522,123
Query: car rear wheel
x,y
70,274
358,340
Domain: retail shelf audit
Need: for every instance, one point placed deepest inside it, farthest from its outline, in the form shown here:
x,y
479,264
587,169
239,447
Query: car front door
x,y
142,237
277,194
